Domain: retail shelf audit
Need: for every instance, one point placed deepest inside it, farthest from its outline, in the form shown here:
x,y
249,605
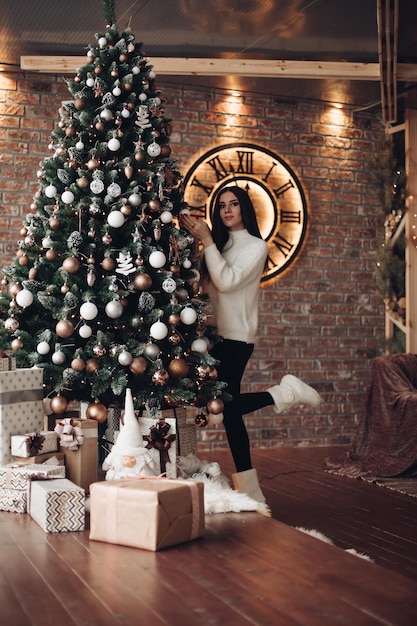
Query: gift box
x,y
7,362
159,437
32,444
13,500
17,475
21,406
53,458
16,481
148,513
81,463
57,505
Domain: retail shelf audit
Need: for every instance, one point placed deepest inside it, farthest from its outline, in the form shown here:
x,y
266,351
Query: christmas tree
x,y
103,294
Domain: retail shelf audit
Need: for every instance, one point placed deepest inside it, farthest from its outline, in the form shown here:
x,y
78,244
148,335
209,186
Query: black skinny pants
x,y
233,357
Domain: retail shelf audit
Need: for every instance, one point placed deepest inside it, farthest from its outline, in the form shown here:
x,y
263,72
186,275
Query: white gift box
x,y
32,444
57,505
13,500
153,441
21,406
18,475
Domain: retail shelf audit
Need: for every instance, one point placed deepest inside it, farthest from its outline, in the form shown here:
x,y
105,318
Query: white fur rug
x,y
219,497
318,535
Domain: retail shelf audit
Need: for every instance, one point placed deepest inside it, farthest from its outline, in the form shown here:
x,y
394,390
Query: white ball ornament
x,y
58,357
186,264
90,82
43,347
113,144
102,42
51,191
158,330
116,91
67,197
88,311
135,199
106,115
125,113
135,70
115,219
199,345
152,74
125,358
143,97
157,259
79,145
154,149
114,309
166,217
85,331
131,47
47,242
24,298
188,315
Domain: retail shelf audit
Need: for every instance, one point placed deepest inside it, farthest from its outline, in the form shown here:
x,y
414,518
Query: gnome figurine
x,y
128,457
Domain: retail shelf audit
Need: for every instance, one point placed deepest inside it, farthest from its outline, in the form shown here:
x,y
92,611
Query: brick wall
x,y
321,320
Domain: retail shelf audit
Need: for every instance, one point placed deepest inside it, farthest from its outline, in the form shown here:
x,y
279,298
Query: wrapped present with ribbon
x,y
16,480
7,361
21,406
161,438
149,513
78,440
32,444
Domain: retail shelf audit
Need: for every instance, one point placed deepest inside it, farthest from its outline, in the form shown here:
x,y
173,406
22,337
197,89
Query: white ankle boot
x,y
292,391
247,482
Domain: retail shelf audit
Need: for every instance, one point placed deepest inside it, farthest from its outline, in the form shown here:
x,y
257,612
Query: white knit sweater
x,y
234,286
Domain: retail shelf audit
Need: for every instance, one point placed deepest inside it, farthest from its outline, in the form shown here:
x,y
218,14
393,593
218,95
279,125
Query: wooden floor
x,y
247,570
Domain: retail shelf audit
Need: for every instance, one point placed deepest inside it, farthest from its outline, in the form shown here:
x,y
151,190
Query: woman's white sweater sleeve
x,y
248,262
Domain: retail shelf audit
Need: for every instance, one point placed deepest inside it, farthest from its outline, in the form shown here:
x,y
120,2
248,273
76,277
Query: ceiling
x,y
305,31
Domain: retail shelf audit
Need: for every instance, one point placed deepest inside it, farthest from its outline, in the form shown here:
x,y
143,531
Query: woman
x,y
234,256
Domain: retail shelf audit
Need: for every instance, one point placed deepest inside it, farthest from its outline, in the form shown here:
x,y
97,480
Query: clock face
x,y
274,189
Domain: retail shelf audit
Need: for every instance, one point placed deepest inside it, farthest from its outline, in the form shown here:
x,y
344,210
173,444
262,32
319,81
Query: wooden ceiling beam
x,y
267,68
387,19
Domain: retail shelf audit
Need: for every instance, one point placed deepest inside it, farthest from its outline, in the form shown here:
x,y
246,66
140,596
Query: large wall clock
x,y
275,191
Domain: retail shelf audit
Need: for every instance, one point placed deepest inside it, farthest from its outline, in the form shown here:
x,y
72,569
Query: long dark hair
x,y
220,232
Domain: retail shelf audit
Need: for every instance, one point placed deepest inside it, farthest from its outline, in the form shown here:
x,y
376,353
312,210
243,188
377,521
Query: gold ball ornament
x,y
154,205
108,264
17,344
215,406
178,368
51,254
71,265
54,223
92,365
78,364
142,281
24,260
59,404
64,328
97,411
14,289
138,365
174,319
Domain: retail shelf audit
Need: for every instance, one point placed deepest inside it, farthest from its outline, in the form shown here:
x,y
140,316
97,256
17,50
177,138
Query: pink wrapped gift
x,y
149,513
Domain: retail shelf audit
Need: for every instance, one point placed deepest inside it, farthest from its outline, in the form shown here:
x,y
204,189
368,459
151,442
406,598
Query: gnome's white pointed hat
x,y
130,440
